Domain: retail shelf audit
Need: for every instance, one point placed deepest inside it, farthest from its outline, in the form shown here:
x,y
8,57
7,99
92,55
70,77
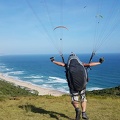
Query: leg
x,y
75,104
83,104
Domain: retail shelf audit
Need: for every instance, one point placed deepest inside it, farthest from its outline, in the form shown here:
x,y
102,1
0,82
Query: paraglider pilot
x,y
75,93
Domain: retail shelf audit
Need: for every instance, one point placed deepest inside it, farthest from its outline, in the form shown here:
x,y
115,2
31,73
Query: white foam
x,y
94,88
15,72
56,80
47,86
34,77
37,80
63,89
4,68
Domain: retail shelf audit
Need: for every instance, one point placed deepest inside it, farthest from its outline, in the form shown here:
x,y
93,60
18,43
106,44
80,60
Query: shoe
x,y
77,114
84,115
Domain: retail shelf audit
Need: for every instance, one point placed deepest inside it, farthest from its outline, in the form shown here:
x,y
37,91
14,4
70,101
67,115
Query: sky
x,y
27,26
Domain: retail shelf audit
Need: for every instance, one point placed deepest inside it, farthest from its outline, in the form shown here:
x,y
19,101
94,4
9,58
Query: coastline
x,y
41,91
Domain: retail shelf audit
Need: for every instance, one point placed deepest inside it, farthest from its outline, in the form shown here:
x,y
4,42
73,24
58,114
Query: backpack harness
x,y
76,73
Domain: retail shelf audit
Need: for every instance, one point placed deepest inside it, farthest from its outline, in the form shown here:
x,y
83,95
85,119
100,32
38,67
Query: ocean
x,y
39,70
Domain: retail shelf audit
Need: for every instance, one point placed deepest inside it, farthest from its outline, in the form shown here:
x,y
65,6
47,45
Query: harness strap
x,y
62,58
92,55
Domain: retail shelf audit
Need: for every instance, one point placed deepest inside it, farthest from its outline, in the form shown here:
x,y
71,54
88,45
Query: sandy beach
x,y
41,91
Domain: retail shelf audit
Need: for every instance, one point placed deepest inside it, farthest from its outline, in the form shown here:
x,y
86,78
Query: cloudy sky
x,y
27,26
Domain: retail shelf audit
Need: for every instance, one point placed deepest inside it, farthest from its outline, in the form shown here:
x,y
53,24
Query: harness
x,y
87,68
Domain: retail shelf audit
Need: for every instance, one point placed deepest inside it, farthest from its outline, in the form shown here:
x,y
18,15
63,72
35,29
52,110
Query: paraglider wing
x,y
99,16
60,27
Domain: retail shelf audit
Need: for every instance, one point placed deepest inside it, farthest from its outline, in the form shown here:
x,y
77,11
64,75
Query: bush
x,y
10,89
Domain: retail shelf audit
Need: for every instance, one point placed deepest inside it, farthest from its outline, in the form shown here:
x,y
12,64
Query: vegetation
x,y
19,104
10,90
106,92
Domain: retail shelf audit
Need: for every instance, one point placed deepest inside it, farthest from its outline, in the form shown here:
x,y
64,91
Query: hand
x,y
101,60
52,59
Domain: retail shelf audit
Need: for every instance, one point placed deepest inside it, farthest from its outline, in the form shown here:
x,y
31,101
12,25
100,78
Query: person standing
x,y
75,94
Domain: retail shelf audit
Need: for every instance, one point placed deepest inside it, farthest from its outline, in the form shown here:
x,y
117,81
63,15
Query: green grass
x,y
57,108
28,106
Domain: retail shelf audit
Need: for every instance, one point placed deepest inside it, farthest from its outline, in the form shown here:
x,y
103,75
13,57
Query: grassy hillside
x,y
20,104
8,89
106,92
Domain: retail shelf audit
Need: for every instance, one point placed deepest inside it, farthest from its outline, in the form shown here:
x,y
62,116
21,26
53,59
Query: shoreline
x,y
41,91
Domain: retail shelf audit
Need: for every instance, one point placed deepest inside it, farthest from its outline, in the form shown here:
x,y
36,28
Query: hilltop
x,y
18,103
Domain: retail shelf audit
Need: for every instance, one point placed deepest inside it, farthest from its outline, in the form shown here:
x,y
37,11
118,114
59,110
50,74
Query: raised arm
x,y
91,64
59,63
101,60
56,62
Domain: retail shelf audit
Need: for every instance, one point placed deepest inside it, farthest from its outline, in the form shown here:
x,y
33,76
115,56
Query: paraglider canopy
x,y
99,16
60,27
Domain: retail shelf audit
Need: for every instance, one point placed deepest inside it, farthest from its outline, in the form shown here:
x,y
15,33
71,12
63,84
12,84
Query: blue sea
x,y
39,70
